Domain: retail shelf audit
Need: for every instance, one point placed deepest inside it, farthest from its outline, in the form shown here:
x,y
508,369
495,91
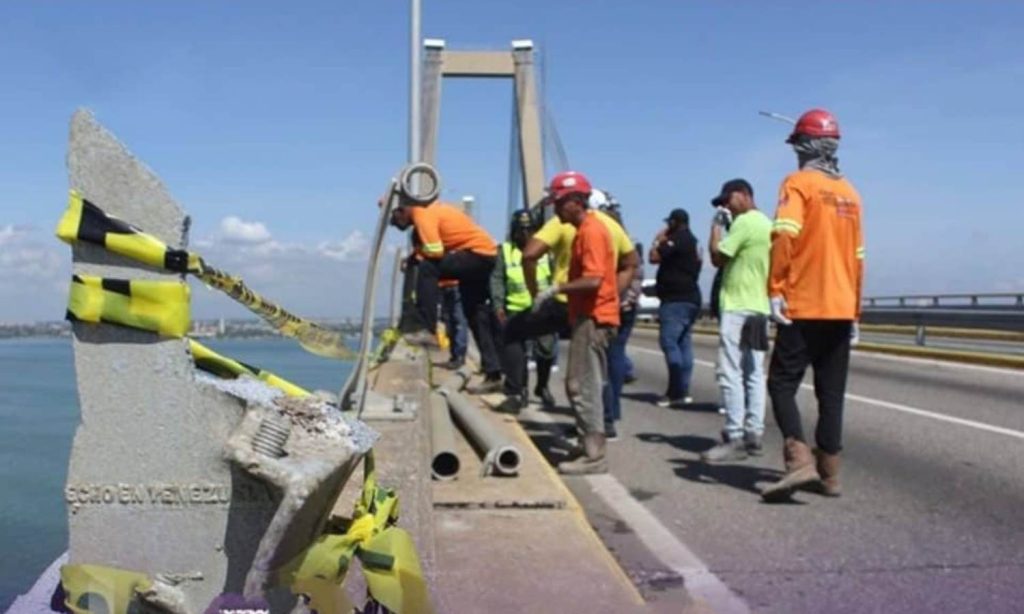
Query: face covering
x,y
819,154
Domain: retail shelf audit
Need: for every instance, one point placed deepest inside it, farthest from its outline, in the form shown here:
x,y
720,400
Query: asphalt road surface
x,y
931,519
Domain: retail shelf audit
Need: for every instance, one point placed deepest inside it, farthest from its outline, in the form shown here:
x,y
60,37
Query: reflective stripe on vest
x,y
517,296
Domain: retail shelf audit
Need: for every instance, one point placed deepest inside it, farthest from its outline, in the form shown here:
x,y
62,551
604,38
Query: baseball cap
x,y
678,215
733,185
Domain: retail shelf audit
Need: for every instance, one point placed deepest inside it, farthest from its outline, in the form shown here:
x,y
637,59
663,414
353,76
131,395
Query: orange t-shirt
x,y
594,256
442,228
820,271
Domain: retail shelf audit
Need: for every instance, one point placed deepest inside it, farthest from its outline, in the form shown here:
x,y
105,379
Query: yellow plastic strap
x,y
229,368
93,588
85,222
390,564
157,306
312,337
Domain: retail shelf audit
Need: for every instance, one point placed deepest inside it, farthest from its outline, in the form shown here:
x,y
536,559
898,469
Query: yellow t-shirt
x,y
558,237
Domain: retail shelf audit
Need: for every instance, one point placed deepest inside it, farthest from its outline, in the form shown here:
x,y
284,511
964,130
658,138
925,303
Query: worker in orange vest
x,y
814,289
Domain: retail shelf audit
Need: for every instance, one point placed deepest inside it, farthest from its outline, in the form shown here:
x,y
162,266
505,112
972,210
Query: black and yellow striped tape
x,y
85,222
154,305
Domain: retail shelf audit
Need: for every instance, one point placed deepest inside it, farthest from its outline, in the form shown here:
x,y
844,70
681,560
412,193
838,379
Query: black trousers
x,y
473,272
552,318
514,351
825,346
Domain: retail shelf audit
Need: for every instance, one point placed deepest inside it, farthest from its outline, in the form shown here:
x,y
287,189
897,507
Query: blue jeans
x,y
675,328
617,367
455,322
741,377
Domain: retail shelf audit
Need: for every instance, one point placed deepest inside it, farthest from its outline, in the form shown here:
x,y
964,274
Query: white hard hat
x,y
598,199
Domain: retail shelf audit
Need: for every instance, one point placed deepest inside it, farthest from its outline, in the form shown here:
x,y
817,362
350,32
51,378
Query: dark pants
x,y
514,360
825,346
455,323
675,335
473,272
617,367
550,319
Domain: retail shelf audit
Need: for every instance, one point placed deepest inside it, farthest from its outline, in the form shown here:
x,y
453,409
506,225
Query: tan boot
x,y
593,459
828,469
800,470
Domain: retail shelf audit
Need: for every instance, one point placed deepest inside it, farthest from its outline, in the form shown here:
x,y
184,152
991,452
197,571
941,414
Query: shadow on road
x,y
650,398
743,476
549,437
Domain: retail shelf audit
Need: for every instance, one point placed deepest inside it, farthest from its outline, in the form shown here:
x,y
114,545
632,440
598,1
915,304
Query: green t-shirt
x,y
748,246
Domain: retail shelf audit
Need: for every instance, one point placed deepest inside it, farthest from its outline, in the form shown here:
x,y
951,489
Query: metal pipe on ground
x,y
500,456
444,462
457,380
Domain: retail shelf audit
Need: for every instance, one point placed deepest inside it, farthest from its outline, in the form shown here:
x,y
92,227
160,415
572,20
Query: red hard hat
x,y
816,123
569,182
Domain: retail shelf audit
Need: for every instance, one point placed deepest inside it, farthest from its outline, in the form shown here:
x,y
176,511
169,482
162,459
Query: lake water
x,y
39,413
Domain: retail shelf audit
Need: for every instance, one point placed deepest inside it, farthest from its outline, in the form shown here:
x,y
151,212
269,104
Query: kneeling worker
x,y
510,297
452,246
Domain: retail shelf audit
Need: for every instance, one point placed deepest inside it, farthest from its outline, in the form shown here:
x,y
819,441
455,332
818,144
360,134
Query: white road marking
x,y
699,581
981,426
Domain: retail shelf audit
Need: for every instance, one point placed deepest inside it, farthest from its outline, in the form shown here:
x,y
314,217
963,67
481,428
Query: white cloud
x,y
237,231
353,248
11,233
29,261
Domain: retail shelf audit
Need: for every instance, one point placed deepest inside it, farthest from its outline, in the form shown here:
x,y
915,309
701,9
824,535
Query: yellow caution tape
x,y
229,368
388,338
86,222
158,306
94,588
390,564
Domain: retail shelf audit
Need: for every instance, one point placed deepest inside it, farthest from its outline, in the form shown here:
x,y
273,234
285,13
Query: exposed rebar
x,y
272,436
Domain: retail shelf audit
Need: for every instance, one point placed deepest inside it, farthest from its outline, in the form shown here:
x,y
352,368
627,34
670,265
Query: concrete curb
x,y
975,358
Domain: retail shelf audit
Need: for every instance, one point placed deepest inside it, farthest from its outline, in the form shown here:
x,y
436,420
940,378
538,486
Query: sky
x,y
277,125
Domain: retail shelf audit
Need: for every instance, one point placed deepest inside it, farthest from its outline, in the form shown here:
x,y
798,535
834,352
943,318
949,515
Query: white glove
x,y
544,295
855,333
778,304
722,217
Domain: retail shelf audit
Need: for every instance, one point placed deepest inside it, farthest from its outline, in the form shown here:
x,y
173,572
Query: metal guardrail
x,y
992,311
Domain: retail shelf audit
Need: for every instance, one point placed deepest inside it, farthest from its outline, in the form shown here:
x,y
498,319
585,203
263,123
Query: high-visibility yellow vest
x,y
517,296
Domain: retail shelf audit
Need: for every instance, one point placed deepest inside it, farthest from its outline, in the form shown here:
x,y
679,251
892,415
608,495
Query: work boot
x,y
728,450
800,470
828,469
423,338
453,364
547,400
593,459
753,444
513,404
490,385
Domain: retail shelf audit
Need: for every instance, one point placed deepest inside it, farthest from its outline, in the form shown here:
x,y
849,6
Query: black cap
x,y
678,215
733,185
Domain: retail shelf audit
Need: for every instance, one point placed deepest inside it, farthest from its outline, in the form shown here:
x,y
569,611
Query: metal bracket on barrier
x,y
384,407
